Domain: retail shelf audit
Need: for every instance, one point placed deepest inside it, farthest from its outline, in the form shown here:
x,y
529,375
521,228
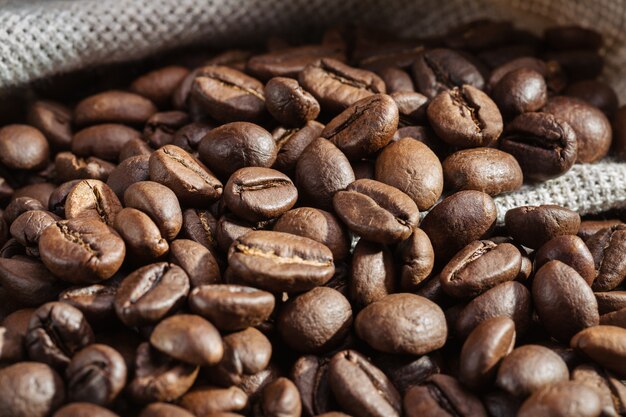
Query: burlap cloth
x,y
41,38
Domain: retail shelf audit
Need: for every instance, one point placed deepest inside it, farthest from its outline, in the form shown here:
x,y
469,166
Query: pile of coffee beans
x,y
183,245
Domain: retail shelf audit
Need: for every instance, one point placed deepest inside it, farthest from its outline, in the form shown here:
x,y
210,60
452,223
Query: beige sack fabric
x,y
41,38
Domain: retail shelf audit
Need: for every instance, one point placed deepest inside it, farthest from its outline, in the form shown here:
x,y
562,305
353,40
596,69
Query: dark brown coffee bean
x,y
411,107
321,171
150,293
93,199
578,64
228,95
229,229
572,251
197,261
81,250
406,371
56,332
437,70
615,318
56,203
592,128
360,388
29,226
510,299
134,147
39,191
159,85
292,142
158,202
372,274
484,169
159,377
81,409
207,400
337,86
113,107
19,206
606,247
611,391
103,141
532,226
480,266
310,374
609,302
365,199
237,145
520,91
129,171
23,147
30,389
160,128
572,37
54,120
396,80
95,301
567,398
256,194
164,410
416,258
288,103
70,167
278,261
232,307
442,395
402,323
28,281
528,62
479,35
605,345
365,127
281,398
142,237
597,93
189,136
465,117
200,226
96,375
414,169
11,345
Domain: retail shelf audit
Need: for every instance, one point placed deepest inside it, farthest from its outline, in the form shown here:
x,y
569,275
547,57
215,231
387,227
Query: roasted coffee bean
x,y
484,169
129,171
360,388
256,194
103,141
289,62
228,95
228,229
232,307
39,191
96,375
396,80
81,250
159,85
592,128
567,398
465,117
310,374
159,377
337,86
438,70
197,261
609,302
520,91
443,396
54,120
141,235
288,103
29,226
365,127
480,266
70,167
597,93
158,202
28,281
416,259
411,107
113,107
164,410
200,226
315,321
207,400
321,171
236,145
479,35
402,323
30,389
292,142
56,332
23,147
160,128
372,274
278,261
11,345
56,202
134,147
93,199
95,301
605,345
532,226
572,251
189,136
615,318
83,409
414,169
606,247
611,391
318,225
578,64
281,398
572,37
365,199
150,293
19,206
544,145
406,371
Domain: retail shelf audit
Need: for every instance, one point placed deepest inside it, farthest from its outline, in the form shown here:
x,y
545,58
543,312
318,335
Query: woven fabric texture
x,y
41,38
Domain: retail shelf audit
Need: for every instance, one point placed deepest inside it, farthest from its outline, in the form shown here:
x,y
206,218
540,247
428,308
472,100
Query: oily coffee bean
x,y
281,398
94,199
232,307
158,202
56,202
597,93
54,120
236,145
141,235
288,103
207,400
278,261
396,80
113,107
189,136
70,167
402,323
438,70
606,248
23,147
416,259
81,250
159,85
292,142
605,345
365,127
128,172
150,293
483,169
96,375
197,261
365,199
95,301
520,91
572,251
30,389
372,274
134,147
200,226
103,141
28,281
465,117
310,374
567,398
56,332
229,229
544,145
480,266
160,128
159,409
411,107
321,171
256,194
29,226
532,226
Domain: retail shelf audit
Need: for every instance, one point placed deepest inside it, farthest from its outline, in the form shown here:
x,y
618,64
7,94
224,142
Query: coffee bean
x,y
532,226
160,128
406,371
402,323
128,172
611,391
150,293
96,375
159,85
141,235
360,388
310,374
94,301
204,401
28,281
54,120
158,202
578,64
288,103
197,261
609,302
425,135
189,136
605,345
396,80
416,259
93,199
56,202
70,167
572,251
29,226
597,93
228,229
615,318
566,398
19,206
30,389
520,91
281,399
134,147
372,274
164,410
292,142
465,117
113,107
103,141
83,410
572,37
365,127
411,107
606,247
23,147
